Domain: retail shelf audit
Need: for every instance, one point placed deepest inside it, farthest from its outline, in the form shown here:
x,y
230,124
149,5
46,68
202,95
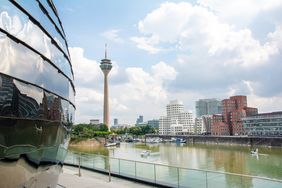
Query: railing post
x,y
155,174
79,158
178,177
93,158
119,166
206,179
135,169
109,170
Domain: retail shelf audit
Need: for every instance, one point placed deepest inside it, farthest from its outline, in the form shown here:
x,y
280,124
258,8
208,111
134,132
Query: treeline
x,y
89,130
136,130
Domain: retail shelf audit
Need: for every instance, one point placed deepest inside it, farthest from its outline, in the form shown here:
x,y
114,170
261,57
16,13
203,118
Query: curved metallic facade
x,y
36,94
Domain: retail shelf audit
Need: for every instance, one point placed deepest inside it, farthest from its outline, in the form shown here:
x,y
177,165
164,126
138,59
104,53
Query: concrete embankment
x,y
227,140
98,141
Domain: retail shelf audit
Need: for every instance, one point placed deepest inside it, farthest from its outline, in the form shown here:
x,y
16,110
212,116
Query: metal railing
x,y
167,175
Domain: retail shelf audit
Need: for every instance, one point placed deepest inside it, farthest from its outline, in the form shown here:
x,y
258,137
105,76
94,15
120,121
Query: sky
x,y
166,50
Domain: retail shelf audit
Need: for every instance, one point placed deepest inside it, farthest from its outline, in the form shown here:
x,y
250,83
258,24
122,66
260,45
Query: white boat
x,y
254,152
110,144
145,153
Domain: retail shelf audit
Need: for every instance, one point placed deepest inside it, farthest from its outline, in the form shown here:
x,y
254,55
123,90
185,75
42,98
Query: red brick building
x,y
233,110
218,126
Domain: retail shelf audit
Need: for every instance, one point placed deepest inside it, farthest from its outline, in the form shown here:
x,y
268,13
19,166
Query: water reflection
x,y
18,24
235,159
21,100
16,59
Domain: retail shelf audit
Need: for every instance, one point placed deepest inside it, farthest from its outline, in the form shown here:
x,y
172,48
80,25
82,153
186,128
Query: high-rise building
x,y
106,67
174,108
153,123
36,94
139,120
115,122
177,120
207,122
233,110
207,107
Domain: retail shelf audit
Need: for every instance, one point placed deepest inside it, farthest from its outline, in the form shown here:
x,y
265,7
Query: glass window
x,y
22,100
33,8
17,24
20,62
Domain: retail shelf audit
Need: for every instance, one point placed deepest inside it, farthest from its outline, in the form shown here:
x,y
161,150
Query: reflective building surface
x,y
36,94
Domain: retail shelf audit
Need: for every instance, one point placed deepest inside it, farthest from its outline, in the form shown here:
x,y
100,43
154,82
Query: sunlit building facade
x,y
208,107
264,124
177,121
36,94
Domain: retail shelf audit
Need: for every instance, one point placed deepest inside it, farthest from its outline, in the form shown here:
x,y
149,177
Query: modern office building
x,y
153,123
208,107
264,124
207,122
139,120
36,94
106,67
115,122
177,120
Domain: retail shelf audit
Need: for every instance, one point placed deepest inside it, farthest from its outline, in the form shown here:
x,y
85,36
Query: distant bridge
x,y
240,140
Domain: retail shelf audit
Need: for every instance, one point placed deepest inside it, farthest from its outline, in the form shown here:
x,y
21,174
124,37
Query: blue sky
x,y
165,50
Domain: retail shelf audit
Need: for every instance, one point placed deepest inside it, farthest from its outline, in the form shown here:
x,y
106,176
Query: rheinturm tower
x,y
106,67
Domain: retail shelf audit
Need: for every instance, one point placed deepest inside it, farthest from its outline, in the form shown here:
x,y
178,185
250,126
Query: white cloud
x,y
217,56
193,26
147,43
86,71
112,35
239,12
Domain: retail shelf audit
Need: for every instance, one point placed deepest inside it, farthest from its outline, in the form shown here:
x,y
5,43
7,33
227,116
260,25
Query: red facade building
x,y
233,110
218,126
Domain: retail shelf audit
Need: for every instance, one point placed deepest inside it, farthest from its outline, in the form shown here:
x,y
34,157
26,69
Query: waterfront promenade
x,y
70,178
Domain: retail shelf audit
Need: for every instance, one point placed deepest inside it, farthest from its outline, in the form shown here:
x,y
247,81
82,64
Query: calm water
x,y
236,159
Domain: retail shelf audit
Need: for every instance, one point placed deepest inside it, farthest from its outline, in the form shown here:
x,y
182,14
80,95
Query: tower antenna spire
x,y
106,51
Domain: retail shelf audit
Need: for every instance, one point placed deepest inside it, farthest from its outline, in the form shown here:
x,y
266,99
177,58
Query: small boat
x,y
254,152
111,144
180,140
145,153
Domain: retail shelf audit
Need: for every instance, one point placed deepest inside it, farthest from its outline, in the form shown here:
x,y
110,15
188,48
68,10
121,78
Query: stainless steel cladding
x,y
36,94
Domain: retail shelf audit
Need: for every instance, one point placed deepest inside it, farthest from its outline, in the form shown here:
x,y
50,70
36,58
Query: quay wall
x,y
227,140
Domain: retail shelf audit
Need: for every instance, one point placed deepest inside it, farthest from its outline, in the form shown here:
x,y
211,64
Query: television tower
x,y
106,67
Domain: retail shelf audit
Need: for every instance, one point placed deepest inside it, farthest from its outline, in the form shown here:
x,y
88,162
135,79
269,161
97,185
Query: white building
x,y
164,125
199,126
174,108
177,120
94,121
186,119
